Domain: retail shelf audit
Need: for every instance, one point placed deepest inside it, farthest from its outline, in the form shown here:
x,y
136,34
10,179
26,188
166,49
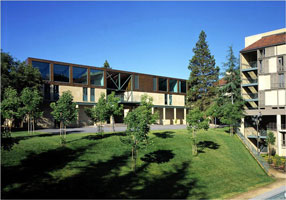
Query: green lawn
x,y
93,167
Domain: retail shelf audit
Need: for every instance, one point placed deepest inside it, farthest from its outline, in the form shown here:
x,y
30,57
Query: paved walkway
x,y
108,128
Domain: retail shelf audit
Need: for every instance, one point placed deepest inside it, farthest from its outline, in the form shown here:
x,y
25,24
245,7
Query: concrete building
x,y
263,73
86,84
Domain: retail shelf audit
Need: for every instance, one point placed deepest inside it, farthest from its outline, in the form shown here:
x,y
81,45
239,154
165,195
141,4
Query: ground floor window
x,y
92,94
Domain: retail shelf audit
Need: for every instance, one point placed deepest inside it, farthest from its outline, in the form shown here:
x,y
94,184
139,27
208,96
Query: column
x,y
164,116
279,146
175,115
185,116
242,126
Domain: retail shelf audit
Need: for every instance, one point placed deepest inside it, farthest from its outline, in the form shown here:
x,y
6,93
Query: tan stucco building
x,y
86,84
263,73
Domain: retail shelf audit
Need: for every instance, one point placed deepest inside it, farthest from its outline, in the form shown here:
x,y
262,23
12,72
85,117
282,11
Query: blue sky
x,y
147,37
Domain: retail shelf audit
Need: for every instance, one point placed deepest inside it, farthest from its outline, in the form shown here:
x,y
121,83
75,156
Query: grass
x,y
89,166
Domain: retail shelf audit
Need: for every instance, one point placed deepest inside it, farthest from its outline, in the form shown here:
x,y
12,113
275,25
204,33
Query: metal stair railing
x,y
254,153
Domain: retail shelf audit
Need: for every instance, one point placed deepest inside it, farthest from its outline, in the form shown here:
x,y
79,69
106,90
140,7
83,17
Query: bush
x,y
270,161
272,152
278,162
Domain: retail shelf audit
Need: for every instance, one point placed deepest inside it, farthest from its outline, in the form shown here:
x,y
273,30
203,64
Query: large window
x,y
154,84
79,75
173,85
96,77
182,87
162,84
84,96
61,73
136,81
44,69
92,98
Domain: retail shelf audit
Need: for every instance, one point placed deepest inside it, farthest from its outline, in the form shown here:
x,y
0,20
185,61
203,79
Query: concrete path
x,y
108,128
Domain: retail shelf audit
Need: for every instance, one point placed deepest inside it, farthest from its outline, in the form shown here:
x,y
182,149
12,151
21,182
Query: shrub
x,y
270,161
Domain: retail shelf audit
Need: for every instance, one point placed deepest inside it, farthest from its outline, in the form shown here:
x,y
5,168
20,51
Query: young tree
x,y
196,120
10,108
98,113
203,76
106,64
138,126
31,99
113,108
270,140
64,111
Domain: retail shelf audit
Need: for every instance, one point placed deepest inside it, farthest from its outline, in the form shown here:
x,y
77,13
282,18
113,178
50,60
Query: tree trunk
x,y
113,123
132,158
231,134
194,147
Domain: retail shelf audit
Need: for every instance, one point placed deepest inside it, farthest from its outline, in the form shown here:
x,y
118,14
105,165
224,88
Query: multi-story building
x,y
86,84
263,73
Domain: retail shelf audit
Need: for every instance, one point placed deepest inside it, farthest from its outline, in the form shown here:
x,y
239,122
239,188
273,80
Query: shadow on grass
x,y
207,144
159,156
104,179
165,134
105,135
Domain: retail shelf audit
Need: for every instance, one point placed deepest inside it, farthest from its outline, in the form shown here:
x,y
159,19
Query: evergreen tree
x,y
203,76
106,64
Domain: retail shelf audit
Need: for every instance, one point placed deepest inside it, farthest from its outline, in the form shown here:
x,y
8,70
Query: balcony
x,y
250,97
252,65
249,82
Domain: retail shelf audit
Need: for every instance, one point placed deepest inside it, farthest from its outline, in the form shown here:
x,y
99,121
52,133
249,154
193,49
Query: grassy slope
x,y
91,167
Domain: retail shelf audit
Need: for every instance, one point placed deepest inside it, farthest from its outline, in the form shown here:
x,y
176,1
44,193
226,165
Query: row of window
x,y
173,85
62,74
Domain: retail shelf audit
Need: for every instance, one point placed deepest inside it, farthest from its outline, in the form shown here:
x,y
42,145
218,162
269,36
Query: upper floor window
x,y
162,84
173,84
280,64
260,66
96,77
136,82
61,73
84,94
154,84
281,81
79,75
182,87
44,69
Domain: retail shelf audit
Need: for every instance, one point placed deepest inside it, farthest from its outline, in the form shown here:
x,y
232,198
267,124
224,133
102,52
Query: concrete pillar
x,y
164,116
279,145
242,126
185,116
175,115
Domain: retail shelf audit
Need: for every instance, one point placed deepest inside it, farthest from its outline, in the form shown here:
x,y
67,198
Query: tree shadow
x,y
106,179
105,135
207,144
7,143
159,156
165,134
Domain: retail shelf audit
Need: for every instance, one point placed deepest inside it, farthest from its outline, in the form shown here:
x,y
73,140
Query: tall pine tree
x,y
203,76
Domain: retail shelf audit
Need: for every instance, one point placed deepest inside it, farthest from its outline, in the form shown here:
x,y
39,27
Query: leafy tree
x,y
98,113
203,76
113,107
31,99
138,126
106,64
196,120
231,114
270,140
64,112
18,74
10,108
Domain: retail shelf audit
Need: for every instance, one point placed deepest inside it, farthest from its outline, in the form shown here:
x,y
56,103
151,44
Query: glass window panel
x,y
61,73
79,75
56,92
162,84
166,99
84,94
44,69
183,87
92,98
136,79
47,92
170,99
154,84
173,85
96,77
